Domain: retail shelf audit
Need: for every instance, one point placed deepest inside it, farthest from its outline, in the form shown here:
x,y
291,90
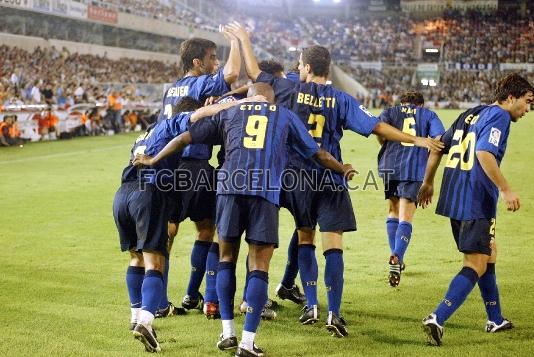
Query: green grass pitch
x,y
62,289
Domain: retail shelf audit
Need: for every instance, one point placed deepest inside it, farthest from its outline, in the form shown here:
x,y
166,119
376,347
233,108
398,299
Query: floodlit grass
x,y
62,289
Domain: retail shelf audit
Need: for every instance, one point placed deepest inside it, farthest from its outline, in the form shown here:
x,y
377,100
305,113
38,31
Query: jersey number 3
x,y
256,128
459,151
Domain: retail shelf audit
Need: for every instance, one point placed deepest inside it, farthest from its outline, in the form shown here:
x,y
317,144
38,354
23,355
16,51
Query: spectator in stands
x,y
48,94
9,131
48,124
35,93
114,107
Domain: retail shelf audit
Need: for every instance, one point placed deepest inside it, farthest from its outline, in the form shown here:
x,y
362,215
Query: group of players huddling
x,y
293,123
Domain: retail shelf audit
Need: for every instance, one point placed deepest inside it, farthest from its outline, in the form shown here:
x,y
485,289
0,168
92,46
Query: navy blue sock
x,y
212,261
460,287
402,239
247,276
134,282
333,278
152,290
226,289
164,298
391,228
309,272
256,297
292,267
490,294
198,267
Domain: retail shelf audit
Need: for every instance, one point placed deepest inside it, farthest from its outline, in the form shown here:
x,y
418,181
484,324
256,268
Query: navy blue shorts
x,y
474,236
196,200
251,214
298,203
332,209
403,189
141,218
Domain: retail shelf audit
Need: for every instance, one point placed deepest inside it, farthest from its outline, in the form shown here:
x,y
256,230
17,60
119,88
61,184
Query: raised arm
x,y
492,170
232,68
251,63
391,133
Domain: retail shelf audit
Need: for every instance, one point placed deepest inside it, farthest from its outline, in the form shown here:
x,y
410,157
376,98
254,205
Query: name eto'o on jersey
x,y
308,99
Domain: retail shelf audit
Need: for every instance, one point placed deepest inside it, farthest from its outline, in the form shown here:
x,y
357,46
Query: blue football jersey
x,y
254,137
130,172
199,88
326,111
404,161
466,192
155,140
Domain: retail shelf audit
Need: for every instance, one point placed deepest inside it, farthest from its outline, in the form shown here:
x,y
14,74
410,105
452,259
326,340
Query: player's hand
x,y
210,100
255,98
429,143
511,199
236,29
227,34
349,171
424,196
142,160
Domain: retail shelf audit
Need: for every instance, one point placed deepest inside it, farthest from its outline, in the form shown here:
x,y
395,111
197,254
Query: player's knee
x,y
306,236
136,259
205,235
172,230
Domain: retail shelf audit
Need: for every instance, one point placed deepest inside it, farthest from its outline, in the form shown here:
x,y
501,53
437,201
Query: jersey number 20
x,y
457,152
256,127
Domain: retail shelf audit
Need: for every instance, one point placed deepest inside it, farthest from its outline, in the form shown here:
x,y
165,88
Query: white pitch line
x,y
88,151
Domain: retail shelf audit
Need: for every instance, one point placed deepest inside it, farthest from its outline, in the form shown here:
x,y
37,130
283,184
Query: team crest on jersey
x,y
495,136
364,109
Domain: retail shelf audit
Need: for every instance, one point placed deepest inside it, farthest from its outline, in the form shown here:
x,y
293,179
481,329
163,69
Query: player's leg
x,y
490,293
309,274
472,238
205,232
392,222
152,291
134,281
226,288
287,289
402,239
256,296
333,278
211,301
229,230
167,308
268,312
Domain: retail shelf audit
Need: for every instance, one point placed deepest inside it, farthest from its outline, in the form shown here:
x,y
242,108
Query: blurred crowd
x,y
52,76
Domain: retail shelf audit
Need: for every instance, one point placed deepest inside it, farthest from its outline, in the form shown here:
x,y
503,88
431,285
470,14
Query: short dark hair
x,y
271,67
194,48
512,84
318,57
186,104
412,97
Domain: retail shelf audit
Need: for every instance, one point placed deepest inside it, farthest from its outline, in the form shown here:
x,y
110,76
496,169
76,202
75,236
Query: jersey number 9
x,y
256,127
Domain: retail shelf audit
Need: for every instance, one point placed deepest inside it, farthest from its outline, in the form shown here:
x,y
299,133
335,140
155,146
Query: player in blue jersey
x,y
327,112
202,79
248,191
402,166
141,211
476,143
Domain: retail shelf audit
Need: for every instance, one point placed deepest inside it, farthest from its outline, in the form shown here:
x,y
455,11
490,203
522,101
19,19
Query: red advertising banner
x,y
102,14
